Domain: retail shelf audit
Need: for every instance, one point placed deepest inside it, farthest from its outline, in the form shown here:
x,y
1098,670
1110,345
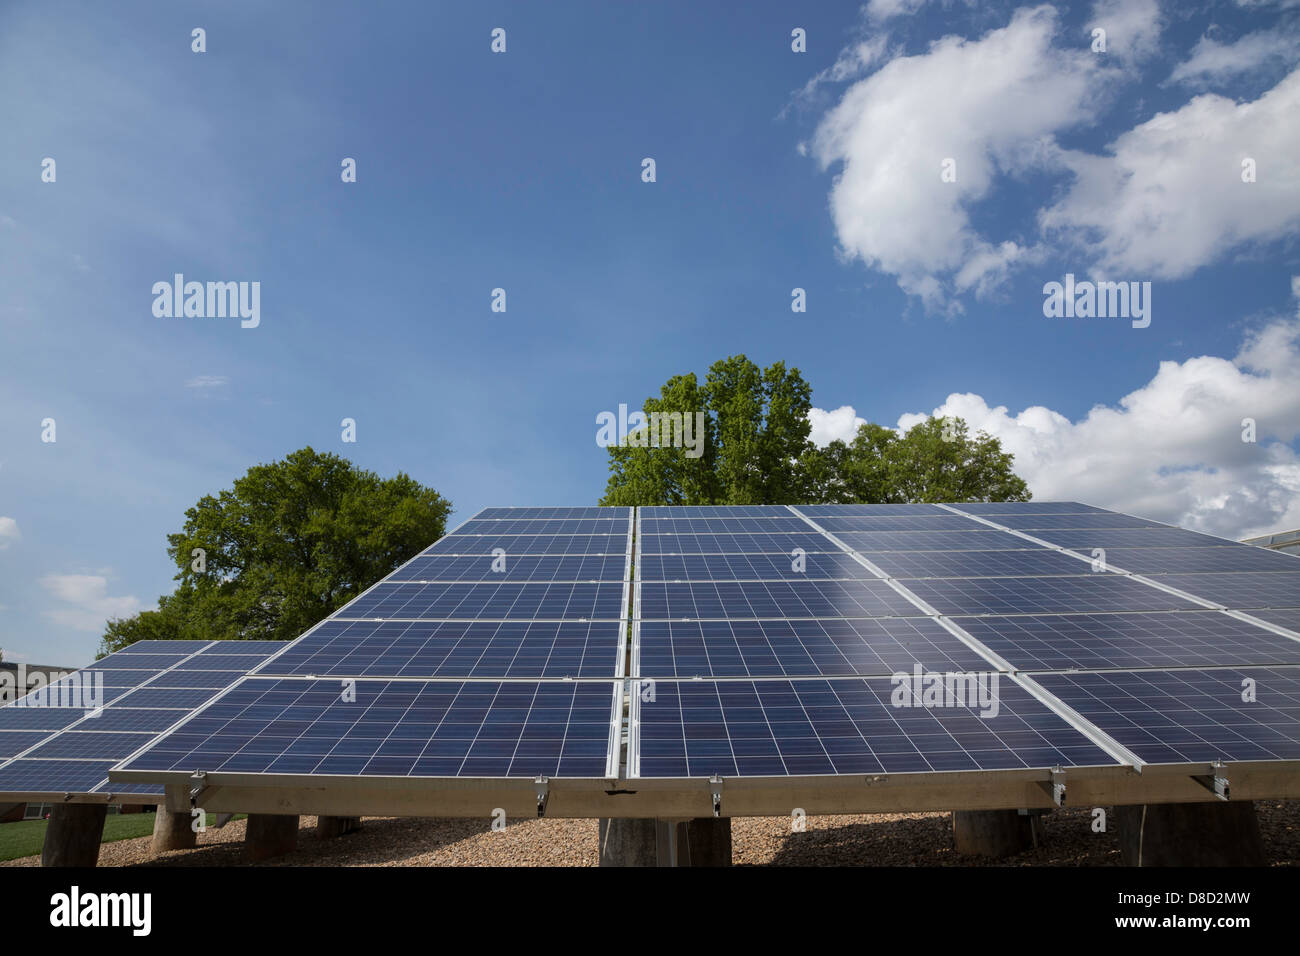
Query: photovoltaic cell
x,y
1229,557
521,544
782,522
553,513
479,649
991,509
982,540
1163,639
545,526
752,567
524,567
1248,589
396,729
1085,539
1190,715
713,511
1105,520
842,726
976,564
37,776
840,511
810,541
1093,592
938,522
772,599
504,601
814,648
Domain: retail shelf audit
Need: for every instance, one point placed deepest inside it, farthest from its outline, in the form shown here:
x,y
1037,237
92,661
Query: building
x,y
1288,542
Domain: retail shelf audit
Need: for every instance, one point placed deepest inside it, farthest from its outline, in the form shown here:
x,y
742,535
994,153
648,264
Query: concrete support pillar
x,y
329,827
270,834
992,833
73,834
627,842
700,842
709,839
172,830
1221,833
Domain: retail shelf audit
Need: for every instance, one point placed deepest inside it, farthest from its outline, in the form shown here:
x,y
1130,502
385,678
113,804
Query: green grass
x,y
25,837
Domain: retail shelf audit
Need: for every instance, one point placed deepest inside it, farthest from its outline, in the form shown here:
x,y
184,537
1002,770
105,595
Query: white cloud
x,y
841,423
8,532
1169,197
1213,61
1132,27
89,603
885,9
1172,449
207,381
992,105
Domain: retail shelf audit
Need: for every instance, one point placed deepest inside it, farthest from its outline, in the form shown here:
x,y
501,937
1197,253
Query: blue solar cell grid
x,y
396,729
841,726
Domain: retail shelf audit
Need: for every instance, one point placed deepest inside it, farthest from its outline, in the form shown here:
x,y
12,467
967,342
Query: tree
x,y
755,428
287,545
757,451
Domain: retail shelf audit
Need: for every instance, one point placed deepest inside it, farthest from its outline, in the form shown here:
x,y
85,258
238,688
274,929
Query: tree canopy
x,y
757,450
288,544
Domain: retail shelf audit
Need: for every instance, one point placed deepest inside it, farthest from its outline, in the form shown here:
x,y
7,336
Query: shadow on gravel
x,y
380,841
1067,840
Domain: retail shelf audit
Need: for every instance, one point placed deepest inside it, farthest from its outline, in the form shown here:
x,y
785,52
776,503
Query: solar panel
x,y
980,540
1191,715
1161,639
993,508
478,649
1283,617
928,522
840,511
775,599
545,526
1247,589
781,521
1085,539
520,544
70,740
1103,520
810,648
569,513
397,729
488,567
1238,557
975,564
504,601
1100,591
809,541
842,726
752,567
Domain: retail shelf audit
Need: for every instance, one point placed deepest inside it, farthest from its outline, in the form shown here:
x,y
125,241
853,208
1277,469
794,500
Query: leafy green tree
x,y
755,428
287,545
757,451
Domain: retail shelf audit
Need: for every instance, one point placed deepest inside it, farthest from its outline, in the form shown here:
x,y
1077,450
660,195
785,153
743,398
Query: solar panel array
x,y
762,648
497,652
769,642
62,738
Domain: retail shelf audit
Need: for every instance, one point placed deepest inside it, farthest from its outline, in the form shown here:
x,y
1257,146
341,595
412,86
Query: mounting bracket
x,y
198,783
542,787
1216,781
1055,786
715,787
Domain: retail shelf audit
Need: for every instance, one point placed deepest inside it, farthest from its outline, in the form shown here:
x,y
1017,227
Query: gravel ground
x,y
898,839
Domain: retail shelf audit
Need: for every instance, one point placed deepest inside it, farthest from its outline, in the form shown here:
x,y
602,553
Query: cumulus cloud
x,y
1169,197
1132,27
840,423
1213,61
88,603
8,532
991,106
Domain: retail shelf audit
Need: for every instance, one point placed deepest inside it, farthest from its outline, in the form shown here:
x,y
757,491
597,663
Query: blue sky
x,y
521,170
